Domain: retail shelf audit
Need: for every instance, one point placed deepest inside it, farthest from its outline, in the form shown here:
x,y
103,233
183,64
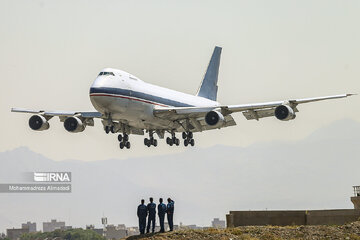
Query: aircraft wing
x,y
250,111
61,114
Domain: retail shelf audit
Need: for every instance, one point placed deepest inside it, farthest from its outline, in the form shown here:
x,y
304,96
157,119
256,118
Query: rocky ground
x,y
349,231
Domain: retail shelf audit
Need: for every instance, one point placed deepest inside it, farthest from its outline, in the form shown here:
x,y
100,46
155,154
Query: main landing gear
x,y
151,140
188,139
124,141
173,140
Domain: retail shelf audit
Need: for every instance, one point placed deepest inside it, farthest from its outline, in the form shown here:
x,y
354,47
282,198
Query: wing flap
x,y
178,113
229,121
253,106
199,125
251,114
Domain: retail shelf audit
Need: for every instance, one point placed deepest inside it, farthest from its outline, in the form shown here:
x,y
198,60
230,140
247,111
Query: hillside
x,y
348,231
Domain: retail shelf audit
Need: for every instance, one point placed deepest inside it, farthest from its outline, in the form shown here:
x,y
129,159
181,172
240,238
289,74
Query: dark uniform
x,y
151,208
161,213
170,214
142,213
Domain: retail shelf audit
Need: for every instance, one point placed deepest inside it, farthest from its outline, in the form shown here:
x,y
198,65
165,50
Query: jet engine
x,y
284,113
74,124
38,123
214,119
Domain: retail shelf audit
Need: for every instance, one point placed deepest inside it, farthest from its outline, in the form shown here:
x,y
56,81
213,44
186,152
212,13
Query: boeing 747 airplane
x,y
128,105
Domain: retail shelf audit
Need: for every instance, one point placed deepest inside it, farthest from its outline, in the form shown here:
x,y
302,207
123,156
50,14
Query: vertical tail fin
x,y
208,87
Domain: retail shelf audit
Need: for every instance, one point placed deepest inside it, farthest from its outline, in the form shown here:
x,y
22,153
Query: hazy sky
x,y
51,51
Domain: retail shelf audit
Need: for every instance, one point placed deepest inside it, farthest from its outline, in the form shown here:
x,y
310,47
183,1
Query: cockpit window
x,y
106,73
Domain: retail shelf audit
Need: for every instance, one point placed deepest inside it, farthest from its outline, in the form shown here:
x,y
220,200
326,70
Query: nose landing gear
x,y
109,129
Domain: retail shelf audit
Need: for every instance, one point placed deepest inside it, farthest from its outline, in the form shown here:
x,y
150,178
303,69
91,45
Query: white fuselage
x,y
131,101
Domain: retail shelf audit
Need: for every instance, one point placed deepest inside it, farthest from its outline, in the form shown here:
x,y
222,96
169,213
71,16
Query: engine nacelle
x,y
214,119
74,124
284,113
38,123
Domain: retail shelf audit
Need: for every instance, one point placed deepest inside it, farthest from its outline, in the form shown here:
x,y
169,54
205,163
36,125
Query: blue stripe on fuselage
x,y
140,95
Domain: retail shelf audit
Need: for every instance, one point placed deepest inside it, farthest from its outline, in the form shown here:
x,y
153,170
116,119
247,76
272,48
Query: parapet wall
x,y
285,218
330,217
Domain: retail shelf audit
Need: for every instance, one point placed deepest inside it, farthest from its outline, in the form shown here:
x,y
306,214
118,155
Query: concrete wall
x,y
278,218
332,217
284,218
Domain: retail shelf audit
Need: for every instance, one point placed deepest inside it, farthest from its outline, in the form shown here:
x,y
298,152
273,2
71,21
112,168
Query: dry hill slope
x,y
348,231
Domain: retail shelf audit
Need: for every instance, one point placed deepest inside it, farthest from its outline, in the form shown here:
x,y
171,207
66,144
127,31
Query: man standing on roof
x,y
151,208
161,213
142,213
170,213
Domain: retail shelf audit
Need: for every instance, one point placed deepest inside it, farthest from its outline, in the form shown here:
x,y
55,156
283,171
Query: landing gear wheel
x,y
126,137
122,145
177,142
147,142
120,137
112,130
171,142
155,143
186,142
127,145
190,135
184,136
168,140
192,142
107,130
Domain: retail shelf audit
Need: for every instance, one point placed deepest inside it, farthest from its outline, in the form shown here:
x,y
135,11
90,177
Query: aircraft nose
x,y
100,81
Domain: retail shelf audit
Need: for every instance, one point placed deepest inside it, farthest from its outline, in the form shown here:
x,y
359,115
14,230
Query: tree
x,y
72,234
